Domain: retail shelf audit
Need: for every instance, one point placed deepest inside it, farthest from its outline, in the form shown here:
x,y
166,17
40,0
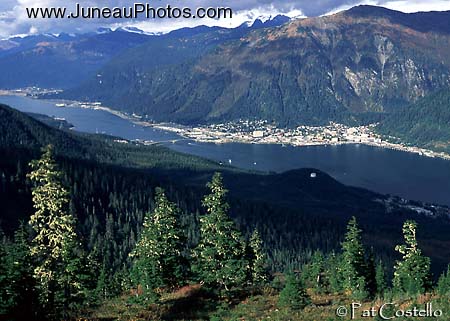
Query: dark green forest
x,y
110,192
424,123
358,64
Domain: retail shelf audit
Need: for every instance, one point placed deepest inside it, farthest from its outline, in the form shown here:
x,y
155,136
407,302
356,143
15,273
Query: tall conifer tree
x,y
54,244
159,260
412,273
257,259
220,254
380,277
354,266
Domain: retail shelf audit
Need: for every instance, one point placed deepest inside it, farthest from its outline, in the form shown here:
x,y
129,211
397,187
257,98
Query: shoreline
x,y
184,131
204,134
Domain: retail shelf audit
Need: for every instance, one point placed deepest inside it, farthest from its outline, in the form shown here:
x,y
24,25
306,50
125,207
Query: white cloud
x,y
348,6
33,30
239,17
416,5
407,6
13,19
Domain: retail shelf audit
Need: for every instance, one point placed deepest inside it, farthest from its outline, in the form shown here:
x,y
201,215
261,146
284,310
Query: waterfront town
x,y
262,132
252,131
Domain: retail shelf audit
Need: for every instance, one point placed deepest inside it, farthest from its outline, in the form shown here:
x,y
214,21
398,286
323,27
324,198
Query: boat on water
x,y
60,105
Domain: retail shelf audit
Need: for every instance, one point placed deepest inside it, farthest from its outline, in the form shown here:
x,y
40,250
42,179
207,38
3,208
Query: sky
x,y
13,19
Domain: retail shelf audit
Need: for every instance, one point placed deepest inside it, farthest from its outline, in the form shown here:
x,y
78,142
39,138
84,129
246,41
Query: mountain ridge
x,y
307,71
65,60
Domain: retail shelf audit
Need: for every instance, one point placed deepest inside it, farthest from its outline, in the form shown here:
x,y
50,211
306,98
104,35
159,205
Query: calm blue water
x,y
382,170
88,120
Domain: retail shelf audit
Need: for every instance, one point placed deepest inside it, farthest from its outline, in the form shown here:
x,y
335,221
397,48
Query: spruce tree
x,y
220,254
102,291
370,275
354,267
314,272
412,273
5,302
443,287
257,259
20,275
333,272
54,243
158,256
293,295
380,277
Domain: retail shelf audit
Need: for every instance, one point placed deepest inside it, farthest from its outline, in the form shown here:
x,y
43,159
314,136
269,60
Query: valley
x,y
112,186
256,131
384,170
285,168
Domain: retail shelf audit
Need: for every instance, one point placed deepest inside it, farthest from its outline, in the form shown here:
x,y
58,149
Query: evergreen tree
x,y
354,267
16,281
158,255
102,289
314,272
257,259
5,303
370,275
443,287
380,277
54,244
412,273
220,254
293,295
20,275
333,272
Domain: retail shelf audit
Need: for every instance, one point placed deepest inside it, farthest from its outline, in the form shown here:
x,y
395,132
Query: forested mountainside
x,y
47,274
105,195
114,181
424,123
66,60
20,131
307,71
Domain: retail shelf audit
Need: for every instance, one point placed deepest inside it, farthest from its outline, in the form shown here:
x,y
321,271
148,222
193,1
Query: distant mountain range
x,y
60,61
366,64
364,61
65,60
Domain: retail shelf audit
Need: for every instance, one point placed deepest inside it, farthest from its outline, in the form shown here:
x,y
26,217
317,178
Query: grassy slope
x,y
190,304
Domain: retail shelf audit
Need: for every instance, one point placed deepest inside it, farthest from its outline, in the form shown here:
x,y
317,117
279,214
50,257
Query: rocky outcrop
x,y
307,71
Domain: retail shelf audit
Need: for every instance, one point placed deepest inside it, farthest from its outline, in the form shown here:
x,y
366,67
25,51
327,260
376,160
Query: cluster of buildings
x,y
30,91
254,131
262,132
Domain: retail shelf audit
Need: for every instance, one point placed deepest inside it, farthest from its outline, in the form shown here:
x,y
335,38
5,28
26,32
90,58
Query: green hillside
x,y
19,131
111,188
425,123
307,71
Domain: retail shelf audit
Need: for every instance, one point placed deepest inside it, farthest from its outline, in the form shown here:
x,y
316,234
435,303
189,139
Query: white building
x,y
258,134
